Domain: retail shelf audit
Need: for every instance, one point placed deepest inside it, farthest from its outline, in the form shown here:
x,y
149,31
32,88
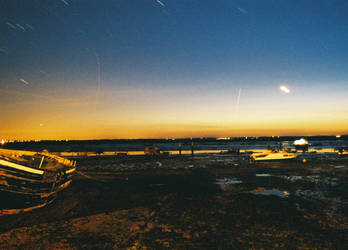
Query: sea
x,y
242,143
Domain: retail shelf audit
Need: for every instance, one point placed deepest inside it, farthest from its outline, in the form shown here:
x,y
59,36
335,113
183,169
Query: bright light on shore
x,y
2,142
301,142
284,89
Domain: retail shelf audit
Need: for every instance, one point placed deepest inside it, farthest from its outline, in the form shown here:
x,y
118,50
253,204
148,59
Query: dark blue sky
x,y
54,49
294,39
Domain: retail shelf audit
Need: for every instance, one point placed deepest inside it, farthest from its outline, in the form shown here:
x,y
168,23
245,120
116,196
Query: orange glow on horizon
x,y
168,113
133,131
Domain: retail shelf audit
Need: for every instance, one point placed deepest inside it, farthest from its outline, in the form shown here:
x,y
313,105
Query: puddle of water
x,y
312,178
319,195
276,192
322,196
323,180
340,166
227,181
293,178
263,175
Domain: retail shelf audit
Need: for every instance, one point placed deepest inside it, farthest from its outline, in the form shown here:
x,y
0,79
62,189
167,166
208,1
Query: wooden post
x,y
179,148
192,151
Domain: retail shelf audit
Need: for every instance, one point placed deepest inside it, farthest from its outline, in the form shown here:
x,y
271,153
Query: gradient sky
x,y
79,69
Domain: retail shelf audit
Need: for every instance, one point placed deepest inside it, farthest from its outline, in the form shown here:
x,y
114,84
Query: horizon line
x,y
338,136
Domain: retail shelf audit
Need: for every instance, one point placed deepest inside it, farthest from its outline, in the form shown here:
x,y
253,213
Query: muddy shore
x,y
204,201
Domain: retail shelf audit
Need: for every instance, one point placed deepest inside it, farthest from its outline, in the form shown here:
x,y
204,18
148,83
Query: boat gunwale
x,y
31,170
61,160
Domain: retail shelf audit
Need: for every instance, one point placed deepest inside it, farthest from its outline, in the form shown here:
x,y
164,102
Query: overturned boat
x,y
30,180
273,155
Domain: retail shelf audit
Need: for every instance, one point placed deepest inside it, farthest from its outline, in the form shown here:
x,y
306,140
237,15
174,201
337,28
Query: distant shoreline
x,y
202,145
189,139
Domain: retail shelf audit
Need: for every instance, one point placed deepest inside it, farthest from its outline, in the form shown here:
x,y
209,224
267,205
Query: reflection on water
x,y
264,191
309,187
263,175
227,181
292,178
311,194
340,166
317,179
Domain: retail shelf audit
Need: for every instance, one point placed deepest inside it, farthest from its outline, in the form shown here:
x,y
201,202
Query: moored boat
x,y
30,179
342,151
273,155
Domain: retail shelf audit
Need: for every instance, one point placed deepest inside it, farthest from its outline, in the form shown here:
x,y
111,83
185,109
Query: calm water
x,y
135,145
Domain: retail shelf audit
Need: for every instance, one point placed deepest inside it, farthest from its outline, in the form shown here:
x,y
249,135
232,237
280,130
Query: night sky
x,y
79,69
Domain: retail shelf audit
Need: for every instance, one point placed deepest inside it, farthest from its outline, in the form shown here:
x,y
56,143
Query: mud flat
x,y
204,201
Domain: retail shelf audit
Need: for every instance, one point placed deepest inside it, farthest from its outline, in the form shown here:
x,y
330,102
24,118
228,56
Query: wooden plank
x,y
21,167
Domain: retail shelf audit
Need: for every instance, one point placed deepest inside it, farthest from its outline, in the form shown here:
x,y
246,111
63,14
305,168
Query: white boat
x,y
273,155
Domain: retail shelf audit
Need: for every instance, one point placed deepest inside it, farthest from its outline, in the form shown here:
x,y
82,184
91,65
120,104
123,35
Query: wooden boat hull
x,y
14,203
23,187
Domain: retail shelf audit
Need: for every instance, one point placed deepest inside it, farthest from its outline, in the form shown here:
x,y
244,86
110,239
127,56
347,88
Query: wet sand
x,y
205,201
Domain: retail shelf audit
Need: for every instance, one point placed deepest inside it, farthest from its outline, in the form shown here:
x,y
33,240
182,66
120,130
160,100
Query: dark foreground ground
x,y
190,202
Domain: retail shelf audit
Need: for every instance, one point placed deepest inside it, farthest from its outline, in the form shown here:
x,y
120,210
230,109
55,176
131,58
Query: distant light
x,y
41,124
301,142
338,136
223,138
284,89
2,141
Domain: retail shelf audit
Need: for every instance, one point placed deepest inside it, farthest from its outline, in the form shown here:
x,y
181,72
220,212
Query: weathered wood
x,y
31,179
